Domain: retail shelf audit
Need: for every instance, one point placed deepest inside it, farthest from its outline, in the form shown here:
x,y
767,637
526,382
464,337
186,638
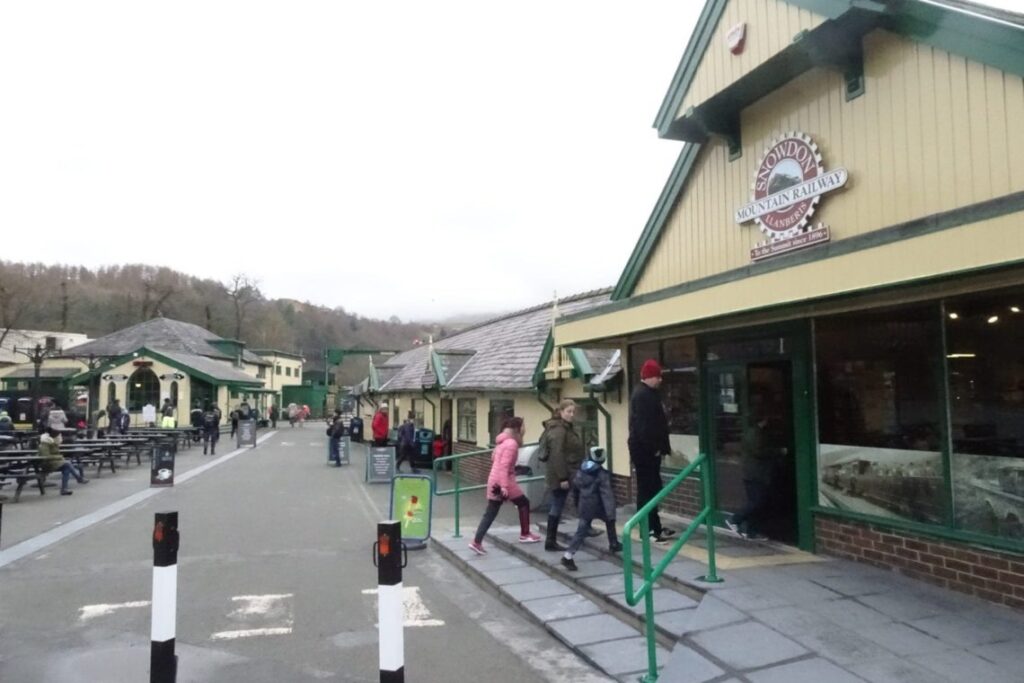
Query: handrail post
x,y
648,587
455,475
707,479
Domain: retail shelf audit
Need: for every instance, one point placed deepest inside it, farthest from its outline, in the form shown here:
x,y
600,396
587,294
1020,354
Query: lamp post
x,y
36,356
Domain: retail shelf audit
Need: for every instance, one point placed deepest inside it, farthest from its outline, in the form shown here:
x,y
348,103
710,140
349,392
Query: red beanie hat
x,y
650,369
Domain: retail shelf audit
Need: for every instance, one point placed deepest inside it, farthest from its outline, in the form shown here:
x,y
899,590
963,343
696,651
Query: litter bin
x,y
355,429
425,448
528,464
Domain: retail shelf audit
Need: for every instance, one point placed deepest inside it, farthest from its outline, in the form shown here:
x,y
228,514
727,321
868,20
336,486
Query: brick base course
x,y
988,574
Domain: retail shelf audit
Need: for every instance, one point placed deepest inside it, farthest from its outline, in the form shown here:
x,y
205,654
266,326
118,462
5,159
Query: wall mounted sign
x,y
788,185
736,38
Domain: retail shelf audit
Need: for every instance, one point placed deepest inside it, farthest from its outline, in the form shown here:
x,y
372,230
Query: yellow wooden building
x,y
836,262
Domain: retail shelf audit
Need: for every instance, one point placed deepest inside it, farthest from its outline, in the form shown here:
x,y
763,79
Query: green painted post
x,y
706,479
645,550
455,473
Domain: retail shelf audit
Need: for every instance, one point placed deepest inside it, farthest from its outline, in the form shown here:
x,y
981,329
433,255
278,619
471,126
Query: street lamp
x,y
37,355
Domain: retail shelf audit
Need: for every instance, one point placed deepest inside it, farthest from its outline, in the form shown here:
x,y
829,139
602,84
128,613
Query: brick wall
x,y
989,574
685,500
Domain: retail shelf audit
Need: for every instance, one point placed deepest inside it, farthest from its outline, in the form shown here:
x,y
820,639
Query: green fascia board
x,y
374,378
652,230
580,364
545,358
980,38
435,362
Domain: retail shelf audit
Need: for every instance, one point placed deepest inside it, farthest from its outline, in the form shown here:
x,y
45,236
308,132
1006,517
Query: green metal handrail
x,y
457,490
652,574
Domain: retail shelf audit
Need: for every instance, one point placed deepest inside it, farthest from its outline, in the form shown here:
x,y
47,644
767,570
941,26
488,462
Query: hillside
x,y
97,302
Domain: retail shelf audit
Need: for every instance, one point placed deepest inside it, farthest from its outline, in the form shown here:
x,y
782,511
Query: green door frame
x,y
800,357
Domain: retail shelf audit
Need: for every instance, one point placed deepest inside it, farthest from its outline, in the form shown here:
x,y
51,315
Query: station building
x,y
837,260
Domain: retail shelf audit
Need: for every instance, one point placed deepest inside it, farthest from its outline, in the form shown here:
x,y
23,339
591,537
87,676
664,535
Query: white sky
x,y
421,158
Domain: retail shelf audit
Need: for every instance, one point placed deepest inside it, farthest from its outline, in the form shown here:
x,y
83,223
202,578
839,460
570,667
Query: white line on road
x,y
93,611
252,632
414,611
259,604
48,538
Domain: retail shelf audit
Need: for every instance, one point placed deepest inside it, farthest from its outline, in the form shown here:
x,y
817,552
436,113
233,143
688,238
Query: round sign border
x,y
801,226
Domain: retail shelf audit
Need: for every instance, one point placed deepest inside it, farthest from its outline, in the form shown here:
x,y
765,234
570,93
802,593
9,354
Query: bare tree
x,y
17,295
243,291
157,287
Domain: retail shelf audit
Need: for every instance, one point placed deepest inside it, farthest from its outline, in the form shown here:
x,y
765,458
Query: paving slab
x,y
665,600
750,598
848,613
852,586
713,613
685,665
618,657
903,640
843,646
959,632
1008,656
597,568
610,583
960,665
793,621
748,645
900,606
815,670
592,629
494,561
561,607
801,591
677,621
504,577
544,588
897,670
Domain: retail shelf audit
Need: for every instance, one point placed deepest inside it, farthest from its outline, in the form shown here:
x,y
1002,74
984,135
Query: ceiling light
x,y
1015,309
961,355
993,319
954,316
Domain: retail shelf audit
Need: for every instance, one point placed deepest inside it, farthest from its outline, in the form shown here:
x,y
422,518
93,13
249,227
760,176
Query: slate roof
x,y
499,354
44,373
216,369
162,334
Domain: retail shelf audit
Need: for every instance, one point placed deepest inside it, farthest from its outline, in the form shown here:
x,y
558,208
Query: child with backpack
x,y
596,501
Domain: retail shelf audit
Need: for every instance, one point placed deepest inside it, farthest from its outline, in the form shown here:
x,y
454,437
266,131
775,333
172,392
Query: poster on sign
x,y
246,433
345,450
380,464
410,505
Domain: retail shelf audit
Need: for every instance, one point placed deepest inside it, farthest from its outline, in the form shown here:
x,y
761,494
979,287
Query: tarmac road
x,y
275,584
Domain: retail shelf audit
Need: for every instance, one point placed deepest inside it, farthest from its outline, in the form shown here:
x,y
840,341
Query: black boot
x,y
551,542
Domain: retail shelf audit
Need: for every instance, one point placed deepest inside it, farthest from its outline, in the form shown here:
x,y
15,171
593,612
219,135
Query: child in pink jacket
x,y
502,486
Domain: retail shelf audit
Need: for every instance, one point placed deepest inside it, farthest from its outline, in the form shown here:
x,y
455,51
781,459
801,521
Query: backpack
x,y
542,451
210,419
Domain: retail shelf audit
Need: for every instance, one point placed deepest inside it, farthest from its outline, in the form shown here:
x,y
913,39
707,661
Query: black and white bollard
x,y
389,556
163,663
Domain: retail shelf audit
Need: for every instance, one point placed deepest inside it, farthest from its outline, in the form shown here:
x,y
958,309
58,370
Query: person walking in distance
x,y
211,428
648,442
406,444
565,452
502,486
380,427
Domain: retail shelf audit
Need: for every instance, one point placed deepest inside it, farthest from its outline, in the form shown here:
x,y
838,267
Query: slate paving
x,y
819,620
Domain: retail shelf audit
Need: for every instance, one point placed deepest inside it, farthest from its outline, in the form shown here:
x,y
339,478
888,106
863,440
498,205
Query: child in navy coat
x,y
596,501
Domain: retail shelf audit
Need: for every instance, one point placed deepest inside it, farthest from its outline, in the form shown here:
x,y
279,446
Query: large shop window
x,y
466,409
500,410
680,392
879,413
985,356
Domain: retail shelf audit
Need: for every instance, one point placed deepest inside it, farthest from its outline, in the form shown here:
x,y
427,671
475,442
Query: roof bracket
x,y
724,125
838,50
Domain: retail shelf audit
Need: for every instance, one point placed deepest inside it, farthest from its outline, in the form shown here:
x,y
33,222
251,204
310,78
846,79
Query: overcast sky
x,y
421,159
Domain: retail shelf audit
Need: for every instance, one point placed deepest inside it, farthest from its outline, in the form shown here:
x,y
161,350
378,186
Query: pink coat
x,y
503,468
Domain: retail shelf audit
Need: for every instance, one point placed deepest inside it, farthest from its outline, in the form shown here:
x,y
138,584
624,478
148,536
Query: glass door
x,y
727,401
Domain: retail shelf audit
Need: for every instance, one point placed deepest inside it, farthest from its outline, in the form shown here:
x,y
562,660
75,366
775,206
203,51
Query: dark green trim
x,y
652,231
804,431
580,364
374,378
545,358
438,366
926,530
941,369
973,213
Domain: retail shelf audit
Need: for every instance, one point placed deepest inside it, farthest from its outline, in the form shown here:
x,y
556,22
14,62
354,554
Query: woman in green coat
x,y
53,461
565,454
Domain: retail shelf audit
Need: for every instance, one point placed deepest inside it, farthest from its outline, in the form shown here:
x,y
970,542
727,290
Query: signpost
x,y
246,433
380,464
410,505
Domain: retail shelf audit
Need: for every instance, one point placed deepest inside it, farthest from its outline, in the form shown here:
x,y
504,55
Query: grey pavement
x,y
814,620
275,583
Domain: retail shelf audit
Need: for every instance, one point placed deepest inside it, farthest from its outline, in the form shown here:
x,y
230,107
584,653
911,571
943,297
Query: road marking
x,y
414,611
48,538
251,633
92,611
287,443
259,604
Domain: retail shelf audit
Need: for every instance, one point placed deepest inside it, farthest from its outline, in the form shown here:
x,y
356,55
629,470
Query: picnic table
x,y
22,469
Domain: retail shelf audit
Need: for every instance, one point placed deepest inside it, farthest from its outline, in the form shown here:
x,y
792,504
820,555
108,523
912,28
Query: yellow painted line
x,y
726,562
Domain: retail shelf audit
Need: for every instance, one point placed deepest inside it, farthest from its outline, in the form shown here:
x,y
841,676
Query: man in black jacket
x,y
648,441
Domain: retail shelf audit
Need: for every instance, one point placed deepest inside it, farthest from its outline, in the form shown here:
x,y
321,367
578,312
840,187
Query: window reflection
x,y
985,356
